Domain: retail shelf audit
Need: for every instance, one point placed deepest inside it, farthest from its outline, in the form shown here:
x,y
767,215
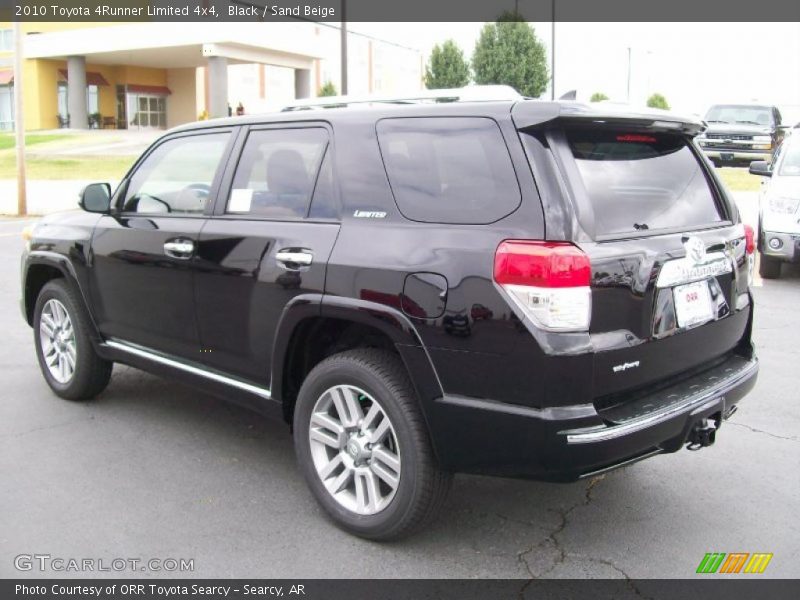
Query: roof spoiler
x,y
536,113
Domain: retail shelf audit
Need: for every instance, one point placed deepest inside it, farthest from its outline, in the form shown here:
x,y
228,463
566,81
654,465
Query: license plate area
x,y
693,305
726,155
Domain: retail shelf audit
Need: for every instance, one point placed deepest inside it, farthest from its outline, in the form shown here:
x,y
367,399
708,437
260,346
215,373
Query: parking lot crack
x,y
552,541
761,431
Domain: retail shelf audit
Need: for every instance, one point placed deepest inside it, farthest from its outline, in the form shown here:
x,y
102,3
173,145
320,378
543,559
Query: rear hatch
x,y
669,267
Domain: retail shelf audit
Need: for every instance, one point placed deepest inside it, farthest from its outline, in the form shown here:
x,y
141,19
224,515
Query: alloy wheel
x,y
355,450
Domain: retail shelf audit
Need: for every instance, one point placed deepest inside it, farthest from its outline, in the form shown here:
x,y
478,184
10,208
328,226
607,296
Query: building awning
x,y
155,90
6,77
92,77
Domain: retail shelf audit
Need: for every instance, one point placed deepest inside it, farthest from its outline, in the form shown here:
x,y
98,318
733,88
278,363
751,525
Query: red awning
x,y
92,78
6,77
156,90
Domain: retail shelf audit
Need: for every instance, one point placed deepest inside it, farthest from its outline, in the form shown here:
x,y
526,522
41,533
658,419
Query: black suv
x,y
741,133
528,289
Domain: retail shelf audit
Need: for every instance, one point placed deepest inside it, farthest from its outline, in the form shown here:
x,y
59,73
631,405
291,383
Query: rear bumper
x,y
572,442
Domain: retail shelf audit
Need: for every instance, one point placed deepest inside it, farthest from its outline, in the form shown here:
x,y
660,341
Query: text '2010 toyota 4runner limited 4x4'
x,y
528,289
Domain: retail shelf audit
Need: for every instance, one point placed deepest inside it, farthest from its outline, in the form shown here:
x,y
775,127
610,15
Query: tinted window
x,y
176,177
277,172
639,182
742,114
324,204
449,170
790,159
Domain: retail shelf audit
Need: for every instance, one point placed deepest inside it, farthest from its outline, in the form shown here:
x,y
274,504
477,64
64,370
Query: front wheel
x,y
363,446
769,268
67,359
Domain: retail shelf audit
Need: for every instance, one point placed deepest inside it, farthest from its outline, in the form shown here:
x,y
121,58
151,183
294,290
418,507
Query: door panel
x,y
242,287
144,255
140,292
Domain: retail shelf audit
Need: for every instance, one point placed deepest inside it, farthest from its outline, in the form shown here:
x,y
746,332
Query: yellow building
x,y
141,75
158,75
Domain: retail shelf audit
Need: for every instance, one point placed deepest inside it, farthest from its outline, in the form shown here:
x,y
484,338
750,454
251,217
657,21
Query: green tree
x,y
447,67
327,89
658,101
598,97
509,53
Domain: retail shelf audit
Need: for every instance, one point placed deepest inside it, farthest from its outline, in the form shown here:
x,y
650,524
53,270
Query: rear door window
x,y
449,170
642,181
277,171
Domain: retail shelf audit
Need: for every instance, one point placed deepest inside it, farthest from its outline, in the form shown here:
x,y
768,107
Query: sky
x,y
693,64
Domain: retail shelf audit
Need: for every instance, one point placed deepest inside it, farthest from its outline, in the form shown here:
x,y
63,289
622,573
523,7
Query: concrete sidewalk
x,y
44,196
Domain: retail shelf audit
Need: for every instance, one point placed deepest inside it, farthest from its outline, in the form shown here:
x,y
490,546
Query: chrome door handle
x,y
291,259
180,248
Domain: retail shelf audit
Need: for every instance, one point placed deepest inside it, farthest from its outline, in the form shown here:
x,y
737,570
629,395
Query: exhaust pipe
x,y
702,434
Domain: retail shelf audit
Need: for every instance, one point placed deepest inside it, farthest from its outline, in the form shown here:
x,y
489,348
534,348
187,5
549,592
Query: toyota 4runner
x,y
530,289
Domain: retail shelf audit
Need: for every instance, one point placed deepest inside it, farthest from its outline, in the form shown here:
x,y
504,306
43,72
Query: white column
x,y
76,92
217,86
302,83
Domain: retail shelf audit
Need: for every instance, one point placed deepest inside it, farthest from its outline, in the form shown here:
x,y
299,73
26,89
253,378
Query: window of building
x,y
449,170
92,99
147,111
6,107
176,177
6,40
277,172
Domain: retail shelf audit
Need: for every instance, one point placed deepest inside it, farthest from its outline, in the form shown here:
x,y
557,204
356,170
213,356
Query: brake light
x,y
749,239
548,281
635,137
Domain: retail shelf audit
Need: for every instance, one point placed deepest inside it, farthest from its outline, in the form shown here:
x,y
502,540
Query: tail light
x,y
548,281
749,239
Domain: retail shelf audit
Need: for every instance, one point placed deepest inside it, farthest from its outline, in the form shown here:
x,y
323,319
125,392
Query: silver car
x,y
779,208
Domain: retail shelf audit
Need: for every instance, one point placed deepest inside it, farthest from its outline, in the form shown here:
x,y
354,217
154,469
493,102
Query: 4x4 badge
x,y
695,250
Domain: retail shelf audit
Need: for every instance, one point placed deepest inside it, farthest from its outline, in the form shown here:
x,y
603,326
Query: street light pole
x,y
629,74
344,48
19,119
553,52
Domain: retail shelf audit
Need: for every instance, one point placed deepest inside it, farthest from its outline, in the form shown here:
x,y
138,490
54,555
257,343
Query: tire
x,y
769,268
90,373
367,377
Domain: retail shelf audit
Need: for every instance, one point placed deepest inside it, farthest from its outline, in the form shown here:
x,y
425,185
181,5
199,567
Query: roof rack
x,y
470,93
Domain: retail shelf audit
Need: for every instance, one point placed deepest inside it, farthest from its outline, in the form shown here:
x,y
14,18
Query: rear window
x,y
449,170
641,181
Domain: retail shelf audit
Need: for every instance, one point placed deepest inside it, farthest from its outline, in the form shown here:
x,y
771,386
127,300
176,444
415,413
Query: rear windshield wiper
x,y
749,122
713,121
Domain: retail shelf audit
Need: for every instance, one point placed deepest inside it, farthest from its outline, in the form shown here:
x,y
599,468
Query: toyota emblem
x,y
695,250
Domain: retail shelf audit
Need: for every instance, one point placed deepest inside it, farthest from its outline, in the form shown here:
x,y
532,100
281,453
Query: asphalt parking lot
x,y
153,469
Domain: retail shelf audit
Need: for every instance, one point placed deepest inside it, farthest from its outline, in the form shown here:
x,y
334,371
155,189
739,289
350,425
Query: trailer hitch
x,y
702,434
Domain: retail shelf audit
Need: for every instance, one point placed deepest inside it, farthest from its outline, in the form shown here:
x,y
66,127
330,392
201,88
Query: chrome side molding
x,y
150,355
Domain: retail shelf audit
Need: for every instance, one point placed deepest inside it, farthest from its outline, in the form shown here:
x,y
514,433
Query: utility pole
x,y
553,53
19,119
344,48
629,74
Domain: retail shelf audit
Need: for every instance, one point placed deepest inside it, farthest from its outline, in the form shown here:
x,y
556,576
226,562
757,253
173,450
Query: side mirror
x,y
760,167
96,198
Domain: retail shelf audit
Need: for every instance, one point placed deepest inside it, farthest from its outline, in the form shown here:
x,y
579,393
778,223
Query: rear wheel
x,y
768,267
67,359
363,446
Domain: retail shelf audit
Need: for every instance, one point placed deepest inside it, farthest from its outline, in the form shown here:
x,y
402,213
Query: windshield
x,y
748,115
790,162
642,181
